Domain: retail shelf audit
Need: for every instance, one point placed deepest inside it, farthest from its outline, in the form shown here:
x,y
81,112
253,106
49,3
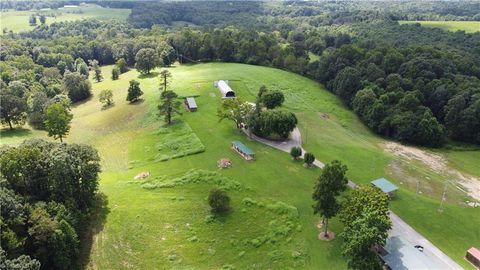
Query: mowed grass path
x,y
155,228
18,21
467,26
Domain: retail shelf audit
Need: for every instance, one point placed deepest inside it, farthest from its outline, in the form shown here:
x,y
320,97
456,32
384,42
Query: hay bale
x,y
224,163
142,175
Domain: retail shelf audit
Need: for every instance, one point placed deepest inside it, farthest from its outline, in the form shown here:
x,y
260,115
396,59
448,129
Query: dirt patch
x,y
324,116
330,236
434,161
398,169
437,163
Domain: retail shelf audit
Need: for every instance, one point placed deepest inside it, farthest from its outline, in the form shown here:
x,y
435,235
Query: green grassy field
x,y
164,219
467,26
18,21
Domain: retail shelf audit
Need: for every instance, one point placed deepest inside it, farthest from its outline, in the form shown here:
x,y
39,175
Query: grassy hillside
x,y
164,219
467,26
18,21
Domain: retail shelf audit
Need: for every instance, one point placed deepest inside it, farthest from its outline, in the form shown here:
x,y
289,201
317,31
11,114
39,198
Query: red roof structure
x,y
473,256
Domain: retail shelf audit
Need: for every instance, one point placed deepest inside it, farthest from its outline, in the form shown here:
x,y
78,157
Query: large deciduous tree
x,y
169,105
330,184
76,86
236,110
134,91
13,110
146,60
57,120
272,99
106,98
365,216
274,123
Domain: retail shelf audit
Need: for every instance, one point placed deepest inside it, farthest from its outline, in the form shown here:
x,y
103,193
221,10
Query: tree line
x,y
48,193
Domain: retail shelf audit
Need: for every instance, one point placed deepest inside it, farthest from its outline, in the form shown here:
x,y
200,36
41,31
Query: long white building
x,y
224,88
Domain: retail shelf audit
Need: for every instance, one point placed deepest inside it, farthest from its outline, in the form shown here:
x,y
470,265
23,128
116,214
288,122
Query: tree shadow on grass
x,y
137,102
106,107
99,211
148,75
17,132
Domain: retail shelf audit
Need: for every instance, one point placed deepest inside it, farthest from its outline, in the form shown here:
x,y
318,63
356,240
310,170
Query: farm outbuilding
x,y
191,104
385,185
473,256
244,151
224,88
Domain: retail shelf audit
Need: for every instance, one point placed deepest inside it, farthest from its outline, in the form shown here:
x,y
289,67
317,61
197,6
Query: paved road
x,y
399,227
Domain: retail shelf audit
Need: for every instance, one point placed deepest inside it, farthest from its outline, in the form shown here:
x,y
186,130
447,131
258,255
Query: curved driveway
x,y
399,227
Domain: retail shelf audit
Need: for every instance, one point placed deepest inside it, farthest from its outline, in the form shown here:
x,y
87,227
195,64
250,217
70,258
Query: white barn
x,y
224,88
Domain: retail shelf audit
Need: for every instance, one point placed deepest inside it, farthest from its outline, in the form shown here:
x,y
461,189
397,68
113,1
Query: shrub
x,y
309,158
219,201
296,152
115,73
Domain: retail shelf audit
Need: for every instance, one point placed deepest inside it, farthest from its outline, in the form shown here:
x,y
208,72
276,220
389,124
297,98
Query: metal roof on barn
x,y
191,102
385,185
244,149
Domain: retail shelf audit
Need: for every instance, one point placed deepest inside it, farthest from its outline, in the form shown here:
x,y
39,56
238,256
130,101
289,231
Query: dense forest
x,y
48,193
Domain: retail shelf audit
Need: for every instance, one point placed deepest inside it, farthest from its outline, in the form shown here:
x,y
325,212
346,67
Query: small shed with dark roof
x,y
385,185
243,150
191,104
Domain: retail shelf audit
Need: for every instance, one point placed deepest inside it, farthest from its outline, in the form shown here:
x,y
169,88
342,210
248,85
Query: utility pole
x,y
418,188
440,209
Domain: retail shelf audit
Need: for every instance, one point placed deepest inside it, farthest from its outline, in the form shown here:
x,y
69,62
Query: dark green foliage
x,y
43,19
23,262
272,99
146,60
106,97
51,171
57,120
219,201
347,83
330,184
365,216
134,91
115,73
169,105
77,86
36,172
308,158
121,64
296,152
165,76
96,69
33,20
13,110
274,123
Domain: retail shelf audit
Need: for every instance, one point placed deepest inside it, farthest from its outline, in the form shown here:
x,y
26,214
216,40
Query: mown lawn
x,y
467,26
18,21
169,227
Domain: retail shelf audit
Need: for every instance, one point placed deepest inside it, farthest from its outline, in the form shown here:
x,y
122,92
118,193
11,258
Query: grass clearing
x,y
165,143
467,26
18,21
147,226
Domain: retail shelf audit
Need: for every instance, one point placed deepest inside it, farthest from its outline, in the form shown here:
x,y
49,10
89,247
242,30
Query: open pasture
x,y
18,21
467,26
